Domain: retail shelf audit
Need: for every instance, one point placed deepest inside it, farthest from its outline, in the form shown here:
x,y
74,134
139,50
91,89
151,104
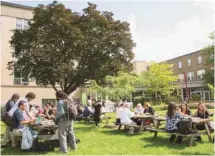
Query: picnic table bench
x,y
191,136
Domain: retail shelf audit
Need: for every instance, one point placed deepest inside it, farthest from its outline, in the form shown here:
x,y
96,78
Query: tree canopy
x,y
159,79
209,54
116,87
66,49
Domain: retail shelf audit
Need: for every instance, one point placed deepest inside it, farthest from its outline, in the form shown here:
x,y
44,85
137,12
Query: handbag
x,y
7,119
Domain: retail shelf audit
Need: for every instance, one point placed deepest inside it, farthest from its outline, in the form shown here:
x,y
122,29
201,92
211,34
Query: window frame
x,y
179,64
190,76
189,62
199,61
202,73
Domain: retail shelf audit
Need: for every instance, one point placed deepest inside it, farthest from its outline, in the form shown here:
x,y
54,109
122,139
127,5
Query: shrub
x,y
169,99
140,99
195,98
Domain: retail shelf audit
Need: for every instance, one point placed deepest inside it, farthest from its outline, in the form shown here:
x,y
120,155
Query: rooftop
x,y
16,5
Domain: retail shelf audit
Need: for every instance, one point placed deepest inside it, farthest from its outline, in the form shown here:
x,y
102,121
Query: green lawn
x,y
111,141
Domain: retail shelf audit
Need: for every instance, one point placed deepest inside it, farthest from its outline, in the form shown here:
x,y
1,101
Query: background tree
x,y
159,79
209,54
66,49
116,87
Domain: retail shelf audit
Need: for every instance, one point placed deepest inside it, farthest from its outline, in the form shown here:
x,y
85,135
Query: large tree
x,y
66,49
116,87
209,54
159,79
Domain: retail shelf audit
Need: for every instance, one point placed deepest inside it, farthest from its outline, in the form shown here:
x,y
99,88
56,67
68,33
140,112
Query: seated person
x,y
184,109
148,109
126,115
18,122
172,122
118,112
80,111
204,113
88,111
39,110
138,109
33,111
48,111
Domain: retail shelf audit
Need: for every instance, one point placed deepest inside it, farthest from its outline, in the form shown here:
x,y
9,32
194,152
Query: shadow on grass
x,y
164,142
119,132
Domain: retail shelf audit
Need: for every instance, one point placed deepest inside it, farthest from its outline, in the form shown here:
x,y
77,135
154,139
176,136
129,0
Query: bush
x,y
140,99
169,99
195,98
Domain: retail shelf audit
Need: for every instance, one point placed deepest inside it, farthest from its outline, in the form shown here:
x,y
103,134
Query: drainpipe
x,y
185,81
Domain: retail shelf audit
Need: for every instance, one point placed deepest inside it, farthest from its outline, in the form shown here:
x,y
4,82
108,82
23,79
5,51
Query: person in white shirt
x,y
118,112
138,109
29,97
126,115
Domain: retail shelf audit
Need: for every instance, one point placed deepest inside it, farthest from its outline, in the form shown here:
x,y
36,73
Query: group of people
x,y
24,114
174,114
93,109
126,116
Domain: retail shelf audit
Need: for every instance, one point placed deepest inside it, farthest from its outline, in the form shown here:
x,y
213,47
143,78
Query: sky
x,y
161,29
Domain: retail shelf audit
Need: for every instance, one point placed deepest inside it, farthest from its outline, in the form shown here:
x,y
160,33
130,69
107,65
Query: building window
x,y
181,77
22,23
179,64
199,59
200,74
190,76
189,62
19,79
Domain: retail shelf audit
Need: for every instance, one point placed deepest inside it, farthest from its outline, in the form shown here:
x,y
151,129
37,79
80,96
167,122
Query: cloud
x,y
187,36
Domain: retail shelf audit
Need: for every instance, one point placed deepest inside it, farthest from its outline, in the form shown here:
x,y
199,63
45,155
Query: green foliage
x,y
196,98
140,99
115,87
159,78
208,52
67,49
211,87
169,99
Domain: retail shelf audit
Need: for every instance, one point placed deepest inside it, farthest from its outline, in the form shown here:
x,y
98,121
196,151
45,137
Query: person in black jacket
x,y
148,109
97,113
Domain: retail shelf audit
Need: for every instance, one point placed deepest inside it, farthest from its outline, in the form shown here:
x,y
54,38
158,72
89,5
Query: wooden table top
x,y
144,116
200,120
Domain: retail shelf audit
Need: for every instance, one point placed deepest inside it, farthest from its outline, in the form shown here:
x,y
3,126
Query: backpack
x,y
185,126
27,139
7,119
70,110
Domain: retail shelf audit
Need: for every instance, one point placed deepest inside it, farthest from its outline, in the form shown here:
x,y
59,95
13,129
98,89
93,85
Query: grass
x,y
101,141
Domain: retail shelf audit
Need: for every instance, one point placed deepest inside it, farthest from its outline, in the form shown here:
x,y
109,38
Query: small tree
x,y
66,49
159,79
116,87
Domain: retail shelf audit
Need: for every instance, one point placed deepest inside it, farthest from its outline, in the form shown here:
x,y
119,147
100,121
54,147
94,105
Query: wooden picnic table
x,y
195,121
47,130
199,121
143,119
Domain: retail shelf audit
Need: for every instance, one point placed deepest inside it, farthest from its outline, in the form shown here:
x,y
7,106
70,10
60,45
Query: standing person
x,y
184,109
118,112
8,106
97,113
29,97
172,122
18,122
65,126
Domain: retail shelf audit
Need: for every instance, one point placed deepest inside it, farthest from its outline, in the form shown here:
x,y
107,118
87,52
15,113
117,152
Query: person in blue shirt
x,y
65,126
18,122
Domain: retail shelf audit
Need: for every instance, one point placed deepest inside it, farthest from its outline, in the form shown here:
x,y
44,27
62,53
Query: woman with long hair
x,y
204,113
172,121
185,109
